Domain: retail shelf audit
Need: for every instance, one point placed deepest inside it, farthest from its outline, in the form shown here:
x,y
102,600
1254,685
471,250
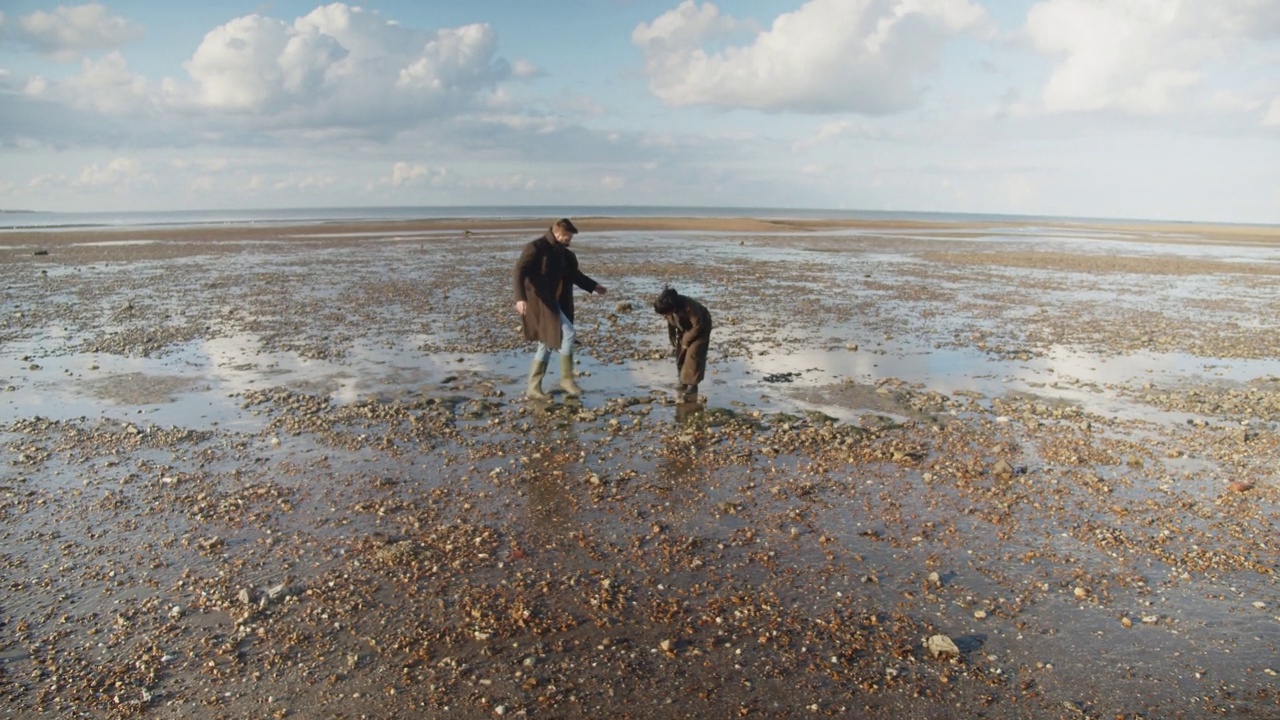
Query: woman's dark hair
x,y
666,302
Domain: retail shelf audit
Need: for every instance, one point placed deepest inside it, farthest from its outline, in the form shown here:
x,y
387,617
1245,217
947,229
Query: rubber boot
x,y
690,393
536,372
566,376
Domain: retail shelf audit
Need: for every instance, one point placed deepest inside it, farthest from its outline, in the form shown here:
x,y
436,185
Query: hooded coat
x,y
689,328
544,278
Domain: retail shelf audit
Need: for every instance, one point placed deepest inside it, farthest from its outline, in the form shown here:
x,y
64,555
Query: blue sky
x,y
1157,109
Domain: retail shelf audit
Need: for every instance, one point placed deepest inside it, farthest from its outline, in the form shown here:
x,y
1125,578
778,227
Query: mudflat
x,y
937,470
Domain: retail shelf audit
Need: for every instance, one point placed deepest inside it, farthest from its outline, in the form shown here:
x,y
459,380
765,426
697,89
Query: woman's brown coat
x,y
689,328
544,278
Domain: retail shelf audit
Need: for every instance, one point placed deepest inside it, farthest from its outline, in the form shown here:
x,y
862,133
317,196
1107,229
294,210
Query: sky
x,y
1144,109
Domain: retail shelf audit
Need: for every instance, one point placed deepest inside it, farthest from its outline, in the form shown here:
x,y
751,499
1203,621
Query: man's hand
x,y
520,306
600,290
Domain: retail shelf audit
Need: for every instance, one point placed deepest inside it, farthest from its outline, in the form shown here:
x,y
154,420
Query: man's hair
x,y
566,225
667,301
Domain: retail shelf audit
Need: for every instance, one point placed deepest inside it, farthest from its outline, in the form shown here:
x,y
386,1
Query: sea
x,y
36,220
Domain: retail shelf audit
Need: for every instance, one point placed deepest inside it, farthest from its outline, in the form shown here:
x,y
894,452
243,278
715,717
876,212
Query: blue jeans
x,y
567,334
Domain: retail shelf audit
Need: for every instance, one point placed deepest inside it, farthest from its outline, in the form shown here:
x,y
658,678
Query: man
x,y
689,327
544,278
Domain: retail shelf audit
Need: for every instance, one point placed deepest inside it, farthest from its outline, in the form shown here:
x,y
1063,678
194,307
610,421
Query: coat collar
x,y
551,238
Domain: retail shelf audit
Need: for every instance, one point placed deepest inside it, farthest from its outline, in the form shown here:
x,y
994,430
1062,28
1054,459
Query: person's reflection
x,y
689,412
553,450
684,447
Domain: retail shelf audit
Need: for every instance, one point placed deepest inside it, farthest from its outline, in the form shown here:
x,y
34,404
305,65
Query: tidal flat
x,y
937,470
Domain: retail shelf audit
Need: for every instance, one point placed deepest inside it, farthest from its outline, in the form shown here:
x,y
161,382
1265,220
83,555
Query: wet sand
x,y
287,472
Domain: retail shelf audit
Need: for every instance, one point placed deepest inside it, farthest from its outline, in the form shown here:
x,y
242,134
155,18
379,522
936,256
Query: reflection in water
x,y
683,449
553,450
689,411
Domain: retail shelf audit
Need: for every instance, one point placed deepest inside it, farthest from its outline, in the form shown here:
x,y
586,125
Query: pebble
x,y
942,647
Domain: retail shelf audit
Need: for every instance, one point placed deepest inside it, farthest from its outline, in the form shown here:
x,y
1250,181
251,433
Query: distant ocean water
x,y
10,220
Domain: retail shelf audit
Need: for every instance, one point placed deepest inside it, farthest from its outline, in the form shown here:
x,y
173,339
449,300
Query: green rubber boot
x,y
536,372
566,376
689,394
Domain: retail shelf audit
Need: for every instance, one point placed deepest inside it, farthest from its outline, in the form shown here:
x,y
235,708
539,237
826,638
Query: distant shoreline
x,y
642,216
212,233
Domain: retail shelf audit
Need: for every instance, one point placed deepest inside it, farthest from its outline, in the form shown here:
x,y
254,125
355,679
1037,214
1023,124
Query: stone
x,y
941,647
1002,469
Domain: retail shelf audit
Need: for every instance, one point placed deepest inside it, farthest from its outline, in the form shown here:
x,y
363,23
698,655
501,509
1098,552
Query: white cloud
x,y
239,65
834,132
406,174
517,181
67,33
583,105
612,181
207,164
335,75
536,124
120,173
1272,118
105,86
200,184
36,86
525,69
827,56
403,173
339,65
1143,57
304,181
454,58
1019,191
47,180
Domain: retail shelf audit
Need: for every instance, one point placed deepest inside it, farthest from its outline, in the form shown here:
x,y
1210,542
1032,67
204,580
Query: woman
x,y
689,327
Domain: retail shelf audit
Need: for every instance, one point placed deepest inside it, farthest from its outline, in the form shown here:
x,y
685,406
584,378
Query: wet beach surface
x,y
288,472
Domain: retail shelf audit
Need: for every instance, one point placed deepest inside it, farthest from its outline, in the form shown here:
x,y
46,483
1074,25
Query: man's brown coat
x,y
544,278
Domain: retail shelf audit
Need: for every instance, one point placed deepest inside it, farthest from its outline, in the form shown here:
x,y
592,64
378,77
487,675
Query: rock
x,y
273,594
1240,486
1002,469
941,647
